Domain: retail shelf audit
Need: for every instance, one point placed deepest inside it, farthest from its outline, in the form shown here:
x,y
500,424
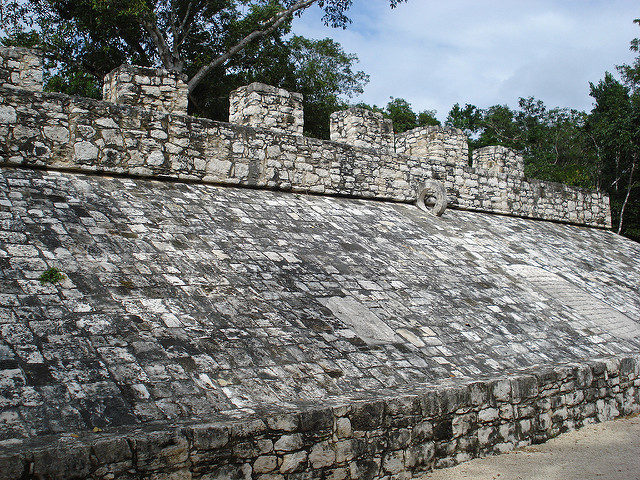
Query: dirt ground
x,y
609,450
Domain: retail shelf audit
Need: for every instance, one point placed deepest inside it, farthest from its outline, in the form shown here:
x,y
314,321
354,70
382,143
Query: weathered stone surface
x,y
198,149
499,159
20,68
125,327
445,145
150,88
362,128
198,332
263,106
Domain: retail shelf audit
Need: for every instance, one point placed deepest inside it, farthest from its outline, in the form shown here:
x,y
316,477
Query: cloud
x,y
485,53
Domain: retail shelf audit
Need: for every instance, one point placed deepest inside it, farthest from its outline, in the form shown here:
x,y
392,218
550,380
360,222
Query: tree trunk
x,y
626,199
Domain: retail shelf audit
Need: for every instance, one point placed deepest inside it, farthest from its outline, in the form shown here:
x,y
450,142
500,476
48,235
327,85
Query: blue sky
x,y
437,53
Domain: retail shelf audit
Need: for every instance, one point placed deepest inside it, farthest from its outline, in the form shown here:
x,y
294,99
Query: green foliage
x,y
52,275
85,39
614,125
553,142
631,73
201,38
466,119
596,150
427,118
402,115
319,69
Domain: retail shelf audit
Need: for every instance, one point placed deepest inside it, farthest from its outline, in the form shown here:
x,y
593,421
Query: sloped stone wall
x,y
362,128
263,106
150,88
20,68
399,437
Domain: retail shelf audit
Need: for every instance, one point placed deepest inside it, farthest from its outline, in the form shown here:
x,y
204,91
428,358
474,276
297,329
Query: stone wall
x,y
81,134
399,437
498,159
263,106
55,130
362,128
20,68
149,88
445,145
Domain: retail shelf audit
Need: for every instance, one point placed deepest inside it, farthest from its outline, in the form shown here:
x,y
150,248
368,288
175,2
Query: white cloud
x,y
485,53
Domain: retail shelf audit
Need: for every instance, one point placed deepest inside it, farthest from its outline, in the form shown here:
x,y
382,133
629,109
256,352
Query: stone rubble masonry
x,y
498,159
20,68
446,145
150,88
263,106
362,128
59,131
391,438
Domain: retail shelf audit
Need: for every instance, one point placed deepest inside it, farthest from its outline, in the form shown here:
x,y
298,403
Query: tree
x,y
325,75
631,73
466,119
428,118
196,37
319,69
615,126
401,113
82,47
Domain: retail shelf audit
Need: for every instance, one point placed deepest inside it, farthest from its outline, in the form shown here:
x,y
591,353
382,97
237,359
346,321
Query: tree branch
x,y
180,33
164,52
267,28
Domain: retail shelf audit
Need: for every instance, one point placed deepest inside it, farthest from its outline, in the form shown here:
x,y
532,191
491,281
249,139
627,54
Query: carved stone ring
x,y
432,197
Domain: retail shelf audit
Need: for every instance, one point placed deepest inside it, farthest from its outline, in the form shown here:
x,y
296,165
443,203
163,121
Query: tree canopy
x,y
218,44
402,114
195,37
600,149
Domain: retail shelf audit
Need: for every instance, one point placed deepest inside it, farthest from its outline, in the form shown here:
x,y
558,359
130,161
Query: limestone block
x,y
498,159
138,86
362,128
263,106
21,68
435,144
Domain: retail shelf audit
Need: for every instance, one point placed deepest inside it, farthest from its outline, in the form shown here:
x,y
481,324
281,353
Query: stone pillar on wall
x,y
21,68
448,146
362,128
263,106
498,159
150,88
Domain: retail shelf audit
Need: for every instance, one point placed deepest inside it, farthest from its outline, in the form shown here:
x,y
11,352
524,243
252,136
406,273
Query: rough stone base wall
x,y
362,128
263,106
394,438
20,68
150,88
444,145
498,159
60,131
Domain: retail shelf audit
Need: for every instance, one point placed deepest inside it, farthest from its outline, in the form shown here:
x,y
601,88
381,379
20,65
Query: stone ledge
x,y
149,71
